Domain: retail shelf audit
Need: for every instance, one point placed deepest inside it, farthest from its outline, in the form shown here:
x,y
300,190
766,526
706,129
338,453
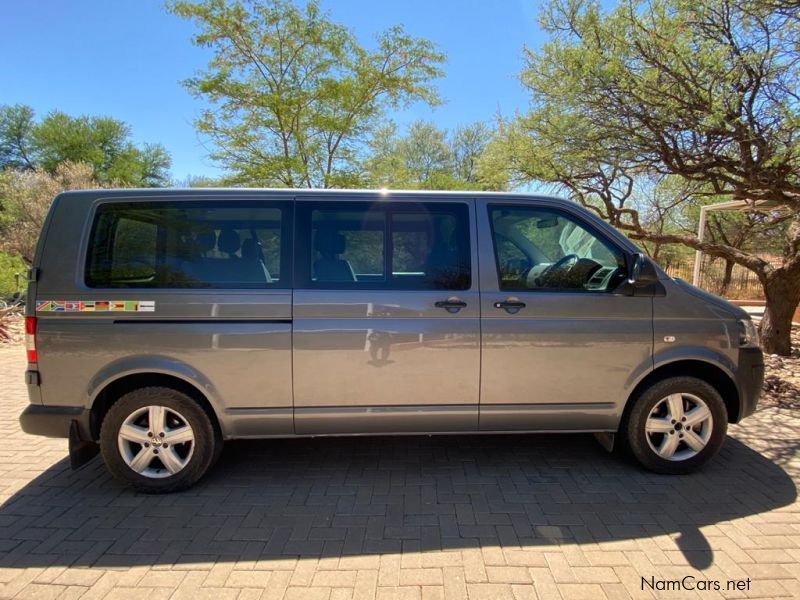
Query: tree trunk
x,y
782,291
726,278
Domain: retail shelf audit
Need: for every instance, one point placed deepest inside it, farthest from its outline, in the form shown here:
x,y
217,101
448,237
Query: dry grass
x,y
12,325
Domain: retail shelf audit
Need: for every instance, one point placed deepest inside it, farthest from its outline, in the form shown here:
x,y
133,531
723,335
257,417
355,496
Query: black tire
x,y
205,446
639,443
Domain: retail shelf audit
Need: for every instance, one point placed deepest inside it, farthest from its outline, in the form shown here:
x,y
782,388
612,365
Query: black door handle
x,y
450,305
509,305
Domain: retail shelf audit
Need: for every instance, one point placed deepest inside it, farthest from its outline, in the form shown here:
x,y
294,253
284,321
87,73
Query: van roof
x,y
316,192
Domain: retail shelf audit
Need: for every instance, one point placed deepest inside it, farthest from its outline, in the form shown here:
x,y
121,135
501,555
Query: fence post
x,y
698,255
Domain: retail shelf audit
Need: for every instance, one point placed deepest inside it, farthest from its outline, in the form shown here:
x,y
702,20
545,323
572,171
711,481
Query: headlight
x,y
748,334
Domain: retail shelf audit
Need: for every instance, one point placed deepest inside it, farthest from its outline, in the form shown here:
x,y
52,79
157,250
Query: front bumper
x,y
55,421
749,380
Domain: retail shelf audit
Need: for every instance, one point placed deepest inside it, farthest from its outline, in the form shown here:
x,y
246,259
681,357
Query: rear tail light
x,y
30,339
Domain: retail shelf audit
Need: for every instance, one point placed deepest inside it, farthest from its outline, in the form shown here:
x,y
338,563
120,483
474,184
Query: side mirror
x,y
641,271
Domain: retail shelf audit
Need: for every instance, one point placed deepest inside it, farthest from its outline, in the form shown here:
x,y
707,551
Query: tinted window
x,y
189,245
540,249
348,245
397,246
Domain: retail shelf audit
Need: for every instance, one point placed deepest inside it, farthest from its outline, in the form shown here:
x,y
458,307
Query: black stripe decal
x,y
197,321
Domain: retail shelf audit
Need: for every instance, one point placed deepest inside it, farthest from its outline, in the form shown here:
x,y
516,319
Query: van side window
x,y
133,257
383,246
348,245
545,249
237,245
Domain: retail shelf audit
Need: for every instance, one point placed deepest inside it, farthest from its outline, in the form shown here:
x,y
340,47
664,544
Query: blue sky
x,y
125,59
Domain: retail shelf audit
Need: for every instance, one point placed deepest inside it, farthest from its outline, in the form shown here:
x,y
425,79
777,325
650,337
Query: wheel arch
x,y
708,371
106,389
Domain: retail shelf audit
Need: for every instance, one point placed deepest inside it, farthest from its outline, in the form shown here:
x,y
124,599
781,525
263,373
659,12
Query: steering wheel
x,y
556,266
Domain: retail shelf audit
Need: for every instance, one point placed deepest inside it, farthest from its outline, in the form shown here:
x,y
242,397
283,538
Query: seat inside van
x,y
330,244
223,257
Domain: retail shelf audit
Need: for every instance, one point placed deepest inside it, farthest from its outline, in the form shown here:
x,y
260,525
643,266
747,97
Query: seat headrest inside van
x,y
228,241
205,241
329,242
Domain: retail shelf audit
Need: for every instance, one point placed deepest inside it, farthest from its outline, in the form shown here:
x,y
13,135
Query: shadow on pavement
x,y
278,499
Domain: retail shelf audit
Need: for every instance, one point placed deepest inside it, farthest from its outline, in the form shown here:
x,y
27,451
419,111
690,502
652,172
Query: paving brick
x,y
490,591
278,583
243,579
41,591
454,583
582,591
399,593
432,592
508,575
389,572
421,577
334,579
308,593
366,585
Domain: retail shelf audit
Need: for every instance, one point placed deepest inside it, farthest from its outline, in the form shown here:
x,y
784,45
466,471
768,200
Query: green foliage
x,y
101,142
201,181
705,90
9,267
430,158
647,112
16,137
293,93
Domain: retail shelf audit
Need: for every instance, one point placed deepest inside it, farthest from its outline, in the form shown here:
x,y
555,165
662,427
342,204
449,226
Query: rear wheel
x,y
158,440
677,425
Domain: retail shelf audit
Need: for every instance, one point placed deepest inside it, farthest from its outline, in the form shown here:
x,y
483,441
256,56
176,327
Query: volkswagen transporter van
x,y
161,323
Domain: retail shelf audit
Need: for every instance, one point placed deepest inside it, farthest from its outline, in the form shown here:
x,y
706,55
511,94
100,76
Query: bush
x,y
9,265
25,198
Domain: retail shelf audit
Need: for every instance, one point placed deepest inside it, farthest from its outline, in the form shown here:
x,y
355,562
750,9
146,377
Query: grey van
x,y
162,322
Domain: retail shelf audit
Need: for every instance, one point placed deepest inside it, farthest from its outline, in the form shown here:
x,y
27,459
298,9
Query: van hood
x,y
736,312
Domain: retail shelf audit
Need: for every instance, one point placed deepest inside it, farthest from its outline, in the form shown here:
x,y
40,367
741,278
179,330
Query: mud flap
x,y
606,440
80,450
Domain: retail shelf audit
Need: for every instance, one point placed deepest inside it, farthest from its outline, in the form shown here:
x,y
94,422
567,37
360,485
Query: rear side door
x,y
561,347
386,316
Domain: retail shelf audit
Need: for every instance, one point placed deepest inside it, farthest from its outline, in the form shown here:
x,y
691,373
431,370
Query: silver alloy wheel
x,y
679,426
156,441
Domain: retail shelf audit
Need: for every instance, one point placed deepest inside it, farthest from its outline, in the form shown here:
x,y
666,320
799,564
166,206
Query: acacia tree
x,y
428,157
103,143
706,90
293,95
16,137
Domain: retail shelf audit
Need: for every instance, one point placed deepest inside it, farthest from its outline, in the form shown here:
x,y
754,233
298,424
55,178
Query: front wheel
x,y
158,440
677,425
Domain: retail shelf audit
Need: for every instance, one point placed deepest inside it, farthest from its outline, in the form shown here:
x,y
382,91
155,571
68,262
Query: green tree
x,y
427,157
16,137
703,90
293,94
102,143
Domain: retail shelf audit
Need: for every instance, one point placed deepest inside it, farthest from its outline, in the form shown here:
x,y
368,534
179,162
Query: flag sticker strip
x,y
96,306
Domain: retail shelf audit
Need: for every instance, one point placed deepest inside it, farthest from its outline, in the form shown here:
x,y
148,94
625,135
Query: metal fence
x,y
744,284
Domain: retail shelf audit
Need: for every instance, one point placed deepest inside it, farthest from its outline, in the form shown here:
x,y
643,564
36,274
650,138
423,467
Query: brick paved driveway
x,y
450,517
